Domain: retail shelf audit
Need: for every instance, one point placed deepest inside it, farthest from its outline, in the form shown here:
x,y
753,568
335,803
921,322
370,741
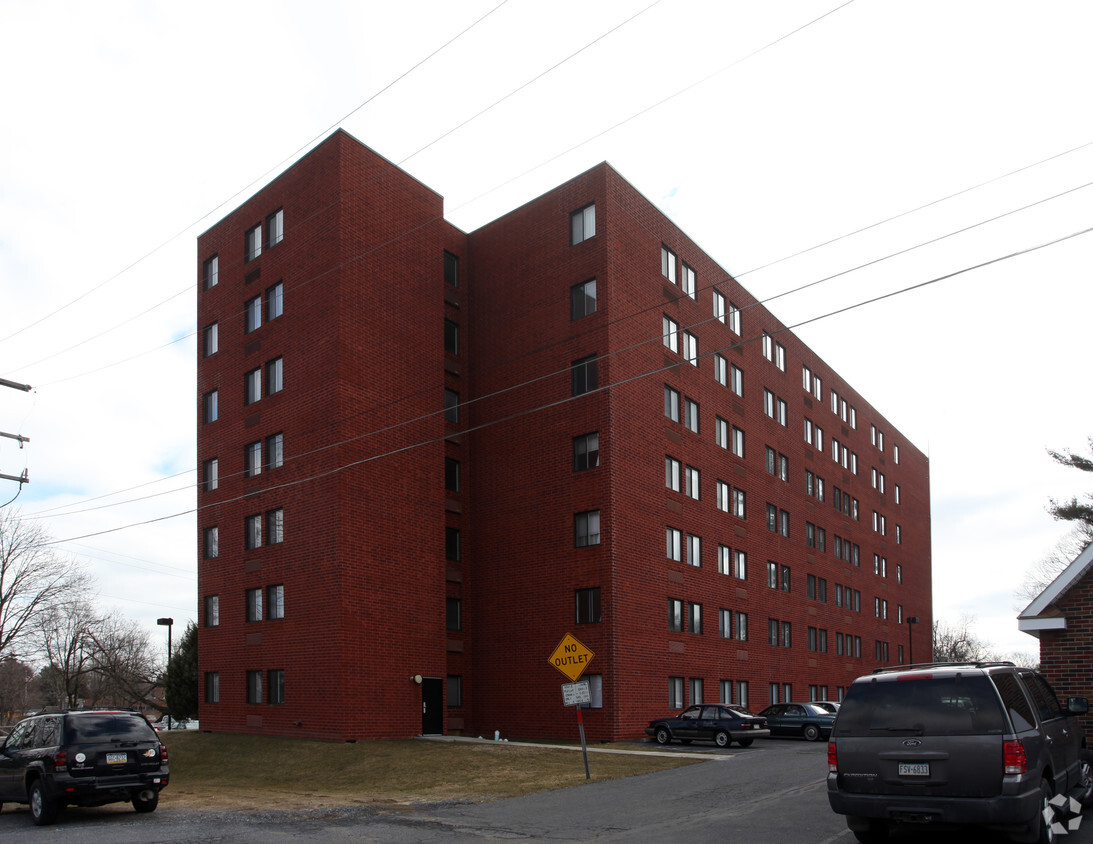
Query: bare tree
x,y
124,663
64,632
1040,576
957,643
15,680
33,578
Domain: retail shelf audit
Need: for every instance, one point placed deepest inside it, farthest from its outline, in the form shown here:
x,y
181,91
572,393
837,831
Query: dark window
x,y
451,269
212,687
211,272
455,690
586,452
276,686
451,337
586,528
451,405
588,605
254,687
452,549
582,299
455,614
582,224
585,378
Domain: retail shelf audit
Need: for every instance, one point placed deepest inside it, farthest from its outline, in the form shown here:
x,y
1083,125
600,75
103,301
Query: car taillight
x,y
832,758
60,760
163,753
1013,758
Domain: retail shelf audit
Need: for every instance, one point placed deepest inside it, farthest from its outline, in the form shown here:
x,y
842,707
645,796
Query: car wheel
x,y
722,739
876,834
1085,778
745,742
663,736
811,732
147,804
1046,833
43,811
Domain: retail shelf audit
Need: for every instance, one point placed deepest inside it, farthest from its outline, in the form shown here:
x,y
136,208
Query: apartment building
x,y
428,455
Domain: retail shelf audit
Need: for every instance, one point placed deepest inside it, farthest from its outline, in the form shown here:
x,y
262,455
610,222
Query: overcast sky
x,y
762,129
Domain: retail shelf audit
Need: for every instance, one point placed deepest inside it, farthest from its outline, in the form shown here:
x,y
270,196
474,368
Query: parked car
x,y
808,720
87,758
831,706
709,722
985,744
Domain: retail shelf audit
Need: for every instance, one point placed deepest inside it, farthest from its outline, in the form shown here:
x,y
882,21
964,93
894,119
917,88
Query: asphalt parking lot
x,y
770,793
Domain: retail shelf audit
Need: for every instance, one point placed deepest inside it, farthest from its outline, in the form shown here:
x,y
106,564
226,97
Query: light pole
x,y
911,620
168,622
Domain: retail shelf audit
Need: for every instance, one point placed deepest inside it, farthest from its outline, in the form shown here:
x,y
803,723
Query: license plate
x,y
117,758
914,769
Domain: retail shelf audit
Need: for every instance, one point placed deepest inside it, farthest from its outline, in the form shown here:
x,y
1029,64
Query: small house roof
x,y
1042,613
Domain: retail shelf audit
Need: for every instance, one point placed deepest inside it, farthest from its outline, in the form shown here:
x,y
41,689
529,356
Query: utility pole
x,y
23,478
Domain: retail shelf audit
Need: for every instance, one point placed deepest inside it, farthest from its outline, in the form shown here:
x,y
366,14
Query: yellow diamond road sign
x,y
571,657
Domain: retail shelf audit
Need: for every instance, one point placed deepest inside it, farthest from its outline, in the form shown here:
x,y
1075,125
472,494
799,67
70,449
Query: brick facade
x,y
385,613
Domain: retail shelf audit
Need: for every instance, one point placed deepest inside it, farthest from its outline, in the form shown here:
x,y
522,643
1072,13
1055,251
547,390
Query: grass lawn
x,y
216,770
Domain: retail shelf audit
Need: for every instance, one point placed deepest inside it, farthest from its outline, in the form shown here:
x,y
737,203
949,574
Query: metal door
x,y
432,706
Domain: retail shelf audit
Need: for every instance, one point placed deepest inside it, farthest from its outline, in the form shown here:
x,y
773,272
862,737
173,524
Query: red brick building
x,y
428,455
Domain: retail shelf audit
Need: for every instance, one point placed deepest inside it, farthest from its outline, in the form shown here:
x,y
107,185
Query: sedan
x,y
709,722
798,719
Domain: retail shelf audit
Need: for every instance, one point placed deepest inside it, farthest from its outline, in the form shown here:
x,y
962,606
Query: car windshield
x,y
104,727
955,705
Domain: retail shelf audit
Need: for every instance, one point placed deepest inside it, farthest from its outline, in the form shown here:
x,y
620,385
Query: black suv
x,y
82,759
947,744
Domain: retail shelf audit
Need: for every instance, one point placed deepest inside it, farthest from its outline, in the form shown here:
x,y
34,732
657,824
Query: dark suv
x,y
947,744
82,759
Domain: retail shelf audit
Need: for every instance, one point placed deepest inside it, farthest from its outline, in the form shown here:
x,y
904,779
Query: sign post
x,y
572,658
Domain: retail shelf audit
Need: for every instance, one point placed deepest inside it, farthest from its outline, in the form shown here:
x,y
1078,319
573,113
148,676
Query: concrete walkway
x,y
706,754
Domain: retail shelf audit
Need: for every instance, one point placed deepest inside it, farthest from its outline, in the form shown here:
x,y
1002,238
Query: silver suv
x,y
946,744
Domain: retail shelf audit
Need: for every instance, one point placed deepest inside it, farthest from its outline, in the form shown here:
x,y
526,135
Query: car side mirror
x,y
1077,705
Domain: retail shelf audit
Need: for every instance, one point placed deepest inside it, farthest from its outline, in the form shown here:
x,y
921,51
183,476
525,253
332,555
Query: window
x,y
674,543
582,299
453,614
668,264
742,633
212,339
212,687
693,482
672,473
211,474
675,615
586,528
740,565
675,692
694,550
275,526
254,605
689,280
451,269
895,454
275,228
720,369
210,272
780,356
582,224
253,528
690,348
275,451
252,315
455,690
694,619
210,406
252,386
783,415
275,601
452,549
768,346
586,452
254,687
212,610
451,337
584,375
772,518
719,306
896,493
690,418
734,319
252,243
724,624
671,333
737,441
768,402
252,460
451,474
588,605
451,405
275,301
275,376
783,522
211,542
276,686
724,560
721,432
723,497
738,502
671,403
736,384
